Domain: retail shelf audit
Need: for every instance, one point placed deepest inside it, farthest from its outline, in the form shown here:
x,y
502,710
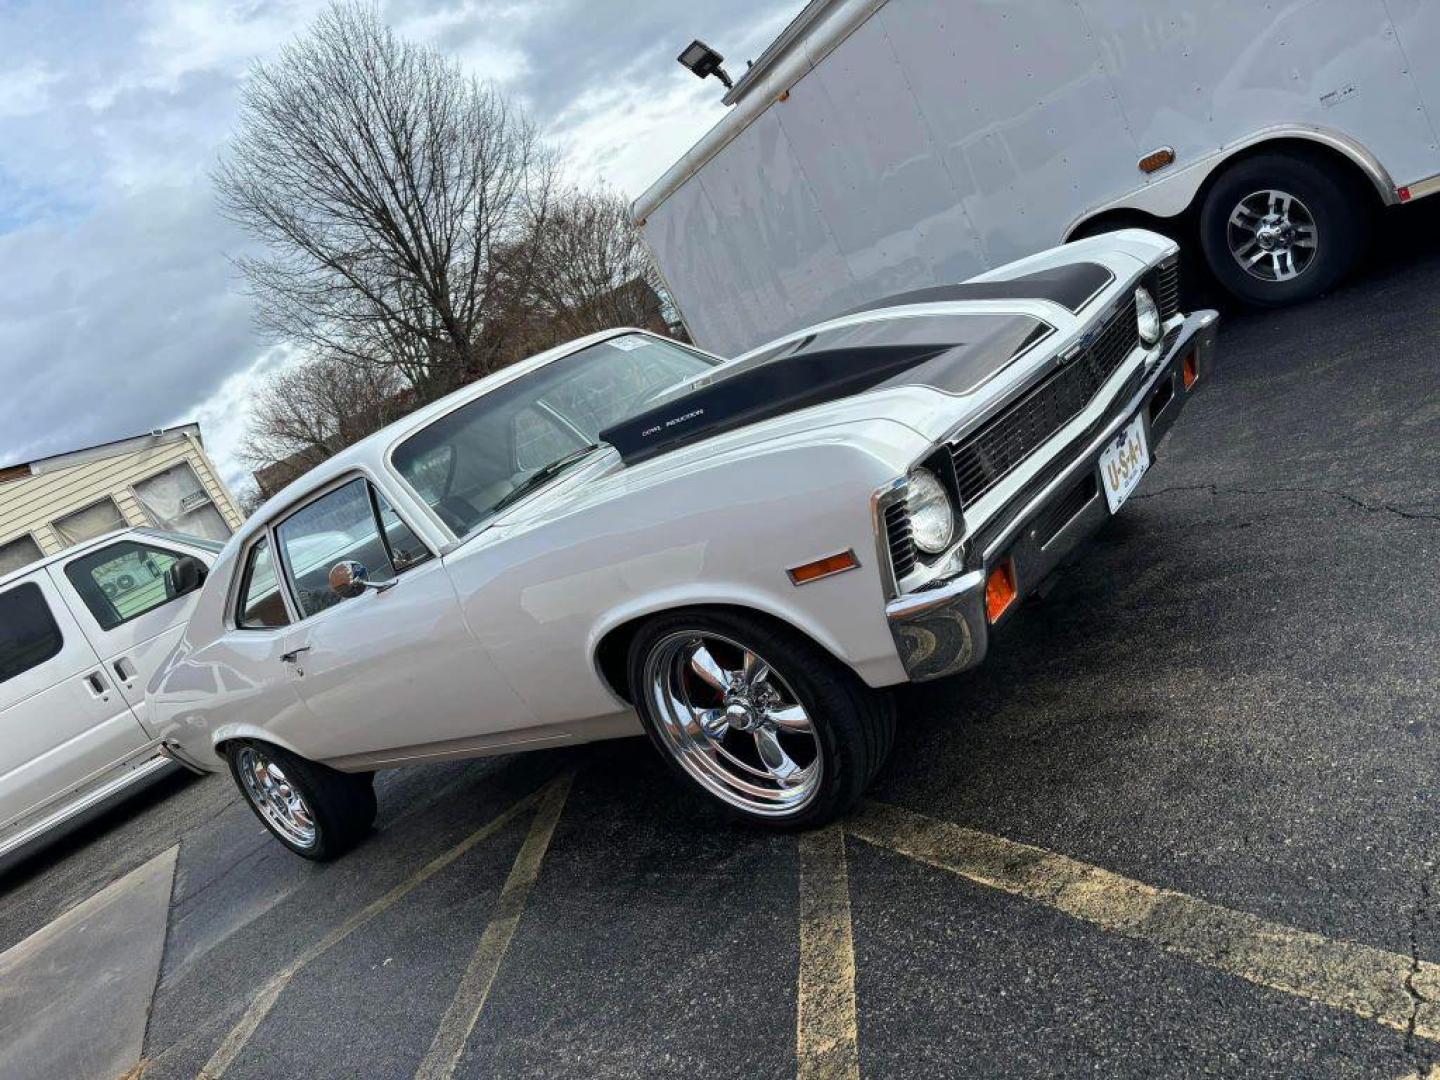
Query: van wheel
x,y
1277,229
316,811
757,717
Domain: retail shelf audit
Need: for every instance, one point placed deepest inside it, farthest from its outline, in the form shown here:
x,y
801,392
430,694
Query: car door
x,y
395,669
125,601
63,725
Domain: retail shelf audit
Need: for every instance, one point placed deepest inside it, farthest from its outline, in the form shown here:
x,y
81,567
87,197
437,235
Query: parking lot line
x,y
265,999
1395,990
465,1008
826,1038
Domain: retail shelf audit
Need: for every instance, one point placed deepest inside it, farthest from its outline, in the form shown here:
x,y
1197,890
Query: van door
x,y
125,601
63,724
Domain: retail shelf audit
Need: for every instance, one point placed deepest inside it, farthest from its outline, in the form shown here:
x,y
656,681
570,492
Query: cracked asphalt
x,y
1233,696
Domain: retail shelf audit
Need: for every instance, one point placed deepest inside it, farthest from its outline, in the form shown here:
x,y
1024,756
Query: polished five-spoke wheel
x,y
312,809
733,722
756,716
280,806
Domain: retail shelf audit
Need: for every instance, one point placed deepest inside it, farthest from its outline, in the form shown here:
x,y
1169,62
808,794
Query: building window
x,y
97,519
17,553
177,501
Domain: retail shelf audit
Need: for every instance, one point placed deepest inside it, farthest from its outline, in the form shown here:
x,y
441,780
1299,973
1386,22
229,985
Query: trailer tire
x,y
1279,228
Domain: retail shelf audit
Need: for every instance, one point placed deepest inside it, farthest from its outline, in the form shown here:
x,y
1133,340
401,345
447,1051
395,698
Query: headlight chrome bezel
x,y
928,503
1147,318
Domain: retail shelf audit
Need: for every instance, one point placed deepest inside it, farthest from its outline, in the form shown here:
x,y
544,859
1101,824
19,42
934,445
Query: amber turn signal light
x,y
820,568
1000,590
1156,160
1190,370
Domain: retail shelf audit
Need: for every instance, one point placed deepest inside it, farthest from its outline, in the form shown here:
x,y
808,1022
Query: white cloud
x,y
119,310
25,90
225,414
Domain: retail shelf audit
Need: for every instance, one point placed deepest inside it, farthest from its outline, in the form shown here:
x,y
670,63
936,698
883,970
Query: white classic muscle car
x,y
736,556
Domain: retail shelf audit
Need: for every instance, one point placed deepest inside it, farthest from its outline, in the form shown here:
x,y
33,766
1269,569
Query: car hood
x,y
951,338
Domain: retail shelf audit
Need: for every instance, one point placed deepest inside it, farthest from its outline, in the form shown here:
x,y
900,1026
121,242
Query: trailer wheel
x,y
1277,229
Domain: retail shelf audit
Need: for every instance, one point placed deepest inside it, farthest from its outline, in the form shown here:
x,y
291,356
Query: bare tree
x,y
304,414
590,270
385,186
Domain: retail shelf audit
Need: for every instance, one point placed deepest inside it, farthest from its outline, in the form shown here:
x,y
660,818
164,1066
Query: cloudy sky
x,y
119,309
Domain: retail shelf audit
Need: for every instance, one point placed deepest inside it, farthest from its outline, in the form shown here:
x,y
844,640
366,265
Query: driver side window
x,y
123,581
345,524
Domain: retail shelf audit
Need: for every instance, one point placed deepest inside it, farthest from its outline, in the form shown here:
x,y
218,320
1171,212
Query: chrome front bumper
x,y
944,628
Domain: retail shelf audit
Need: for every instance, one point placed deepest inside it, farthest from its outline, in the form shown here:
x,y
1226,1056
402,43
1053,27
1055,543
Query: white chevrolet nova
x,y
735,556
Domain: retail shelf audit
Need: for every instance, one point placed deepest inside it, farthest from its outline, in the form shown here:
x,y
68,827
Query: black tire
x,y
853,725
342,804
1338,207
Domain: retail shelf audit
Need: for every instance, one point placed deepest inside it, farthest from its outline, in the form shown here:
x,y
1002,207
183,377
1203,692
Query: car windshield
x,y
466,463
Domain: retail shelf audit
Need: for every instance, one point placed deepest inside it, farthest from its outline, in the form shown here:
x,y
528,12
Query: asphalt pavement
x,y
1182,822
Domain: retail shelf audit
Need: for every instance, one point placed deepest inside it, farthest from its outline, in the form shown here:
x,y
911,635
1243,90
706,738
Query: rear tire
x,y
1280,228
317,812
757,717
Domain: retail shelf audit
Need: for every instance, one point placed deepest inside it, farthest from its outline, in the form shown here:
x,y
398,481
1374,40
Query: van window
x,y
28,634
343,525
261,604
123,581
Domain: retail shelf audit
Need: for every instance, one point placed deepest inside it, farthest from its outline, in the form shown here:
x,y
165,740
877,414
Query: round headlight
x,y
932,518
1147,316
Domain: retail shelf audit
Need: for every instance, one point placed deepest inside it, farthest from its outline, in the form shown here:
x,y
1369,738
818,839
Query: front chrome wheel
x,y
282,807
733,723
1272,235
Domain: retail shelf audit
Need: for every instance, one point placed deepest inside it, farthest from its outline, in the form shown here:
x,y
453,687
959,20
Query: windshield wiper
x,y
541,475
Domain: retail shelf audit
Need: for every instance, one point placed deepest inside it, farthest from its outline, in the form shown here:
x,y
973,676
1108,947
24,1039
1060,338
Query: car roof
x,y
86,545
371,449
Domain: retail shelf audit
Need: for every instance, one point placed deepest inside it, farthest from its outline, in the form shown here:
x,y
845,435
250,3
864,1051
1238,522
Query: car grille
x,y
1167,288
897,536
987,455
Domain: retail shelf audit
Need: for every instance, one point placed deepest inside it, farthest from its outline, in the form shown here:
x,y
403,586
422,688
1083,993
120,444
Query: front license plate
x,y
1123,463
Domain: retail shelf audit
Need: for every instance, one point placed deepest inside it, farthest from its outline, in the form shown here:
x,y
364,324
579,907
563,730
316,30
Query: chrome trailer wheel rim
x,y
733,723
279,803
1272,235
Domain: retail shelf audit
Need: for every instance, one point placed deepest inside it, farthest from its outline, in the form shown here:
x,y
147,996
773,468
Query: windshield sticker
x,y
628,342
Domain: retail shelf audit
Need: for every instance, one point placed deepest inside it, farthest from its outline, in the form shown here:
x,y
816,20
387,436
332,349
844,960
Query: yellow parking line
x,y
265,999
827,1043
1387,987
464,1011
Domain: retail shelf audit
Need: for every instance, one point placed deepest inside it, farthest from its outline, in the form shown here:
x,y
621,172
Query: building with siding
x,y
163,479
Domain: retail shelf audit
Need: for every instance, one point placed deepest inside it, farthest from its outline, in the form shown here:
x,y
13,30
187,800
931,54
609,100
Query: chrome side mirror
x,y
348,578
351,578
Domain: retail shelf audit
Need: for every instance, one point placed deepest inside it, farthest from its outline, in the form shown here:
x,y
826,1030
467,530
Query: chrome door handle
x,y
294,654
95,683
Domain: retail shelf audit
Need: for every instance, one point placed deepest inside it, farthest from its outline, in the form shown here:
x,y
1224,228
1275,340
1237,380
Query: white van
x,y
881,146
81,633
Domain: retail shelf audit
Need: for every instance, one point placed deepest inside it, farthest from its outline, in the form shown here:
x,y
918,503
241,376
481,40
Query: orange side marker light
x,y
821,568
1000,590
1190,370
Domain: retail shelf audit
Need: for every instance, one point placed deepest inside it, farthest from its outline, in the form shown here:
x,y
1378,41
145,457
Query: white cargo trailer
x,y
884,145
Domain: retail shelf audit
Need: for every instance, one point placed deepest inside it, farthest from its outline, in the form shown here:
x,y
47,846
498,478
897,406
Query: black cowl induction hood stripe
x,y
1071,286
953,352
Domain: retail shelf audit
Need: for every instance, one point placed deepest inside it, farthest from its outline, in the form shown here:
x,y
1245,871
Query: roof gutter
x,y
830,27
